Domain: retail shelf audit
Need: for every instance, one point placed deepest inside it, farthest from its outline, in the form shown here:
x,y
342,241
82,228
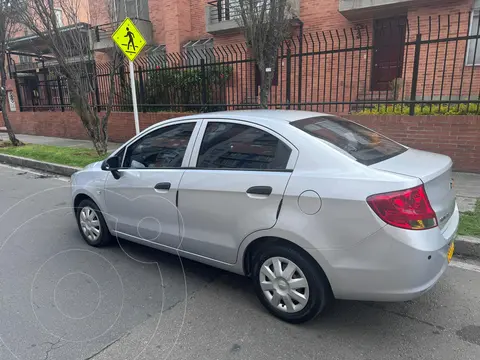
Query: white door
x,y
142,202
235,188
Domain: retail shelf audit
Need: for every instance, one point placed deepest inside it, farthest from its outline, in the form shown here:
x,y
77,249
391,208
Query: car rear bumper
x,y
392,264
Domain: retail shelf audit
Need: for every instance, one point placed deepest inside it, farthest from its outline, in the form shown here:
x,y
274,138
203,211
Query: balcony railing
x,y
224,15
28,66
225,10
101,35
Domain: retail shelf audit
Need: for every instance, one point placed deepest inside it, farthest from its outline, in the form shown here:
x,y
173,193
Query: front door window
x,y
162,148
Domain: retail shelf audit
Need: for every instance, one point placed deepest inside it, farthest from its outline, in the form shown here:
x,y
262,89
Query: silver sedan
x,y
311,206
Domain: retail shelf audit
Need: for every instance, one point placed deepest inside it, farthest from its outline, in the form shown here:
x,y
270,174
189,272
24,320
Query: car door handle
x,y
163,186
260,190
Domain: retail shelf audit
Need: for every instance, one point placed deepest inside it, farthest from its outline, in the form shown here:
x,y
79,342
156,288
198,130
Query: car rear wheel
x,y
289,284
91,224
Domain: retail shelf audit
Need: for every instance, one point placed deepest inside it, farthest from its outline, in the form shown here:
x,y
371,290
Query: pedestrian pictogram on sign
x,y
129,39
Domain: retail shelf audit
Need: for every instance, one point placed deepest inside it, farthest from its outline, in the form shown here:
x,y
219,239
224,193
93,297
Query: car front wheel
x,y
289,284
91,224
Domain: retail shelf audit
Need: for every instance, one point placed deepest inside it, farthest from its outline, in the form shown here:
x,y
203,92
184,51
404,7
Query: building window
x,y
196,50
59,17
131,8
25,59
229,10
473,48
135,9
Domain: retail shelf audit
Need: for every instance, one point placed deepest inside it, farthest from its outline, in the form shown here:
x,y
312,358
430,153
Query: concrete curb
x,y
467,246
63,170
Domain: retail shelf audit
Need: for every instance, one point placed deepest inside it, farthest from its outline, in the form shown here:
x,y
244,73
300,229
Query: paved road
x,y
60,299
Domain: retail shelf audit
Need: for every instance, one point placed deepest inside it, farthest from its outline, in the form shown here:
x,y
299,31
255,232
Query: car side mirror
x,y
112,164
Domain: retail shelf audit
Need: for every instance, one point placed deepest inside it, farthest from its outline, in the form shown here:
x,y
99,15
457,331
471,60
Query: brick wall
x,y
180,20
455,136
68,125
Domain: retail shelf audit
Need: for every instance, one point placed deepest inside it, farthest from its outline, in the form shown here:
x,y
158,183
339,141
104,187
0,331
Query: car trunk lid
x,y
434,170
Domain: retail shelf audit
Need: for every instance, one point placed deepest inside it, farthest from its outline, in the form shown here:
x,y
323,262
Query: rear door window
x,y
241,147
366,146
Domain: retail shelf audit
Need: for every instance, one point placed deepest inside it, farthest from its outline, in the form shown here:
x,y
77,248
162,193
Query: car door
x,y
142,202
237,177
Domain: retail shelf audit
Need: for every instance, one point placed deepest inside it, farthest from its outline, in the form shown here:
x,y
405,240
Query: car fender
x,y
288,236
92,184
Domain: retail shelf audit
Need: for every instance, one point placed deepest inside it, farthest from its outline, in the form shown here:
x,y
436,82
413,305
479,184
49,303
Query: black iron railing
x,y
419,66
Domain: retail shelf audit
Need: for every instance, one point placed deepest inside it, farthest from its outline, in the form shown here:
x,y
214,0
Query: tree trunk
x,y
8,125
102,137
96,128
3,99
264,95
265,83
96,132
101,146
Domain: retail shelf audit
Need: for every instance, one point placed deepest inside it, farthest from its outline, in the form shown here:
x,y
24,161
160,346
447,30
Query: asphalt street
x,y
61,299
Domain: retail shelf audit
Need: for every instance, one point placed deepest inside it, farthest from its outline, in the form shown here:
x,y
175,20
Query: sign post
x,y
134,98
129,39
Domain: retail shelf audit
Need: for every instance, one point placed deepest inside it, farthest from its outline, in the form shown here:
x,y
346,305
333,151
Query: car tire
x,y
283,295
91,224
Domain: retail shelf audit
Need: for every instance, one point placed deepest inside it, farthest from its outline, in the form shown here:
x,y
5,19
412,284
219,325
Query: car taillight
x,y
406,209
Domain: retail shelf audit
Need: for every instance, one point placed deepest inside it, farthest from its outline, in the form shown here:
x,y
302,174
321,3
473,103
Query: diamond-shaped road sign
x,y
129,39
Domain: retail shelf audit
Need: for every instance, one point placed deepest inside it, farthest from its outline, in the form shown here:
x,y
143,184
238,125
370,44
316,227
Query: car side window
x,y
236,146
162,148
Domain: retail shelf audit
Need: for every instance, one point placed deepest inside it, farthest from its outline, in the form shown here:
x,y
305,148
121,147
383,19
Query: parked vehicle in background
x,y
311,206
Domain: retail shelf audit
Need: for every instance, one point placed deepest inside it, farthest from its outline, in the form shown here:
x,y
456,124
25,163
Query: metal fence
x,y
398,65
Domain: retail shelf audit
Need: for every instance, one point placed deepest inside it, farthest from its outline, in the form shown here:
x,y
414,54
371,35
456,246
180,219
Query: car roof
x,y
268,118
258,116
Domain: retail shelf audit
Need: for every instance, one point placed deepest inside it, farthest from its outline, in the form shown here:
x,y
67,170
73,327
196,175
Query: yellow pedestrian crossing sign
x,y
129,39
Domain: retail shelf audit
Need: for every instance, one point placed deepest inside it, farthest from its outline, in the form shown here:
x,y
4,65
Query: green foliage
x,y
470,222
437,109
72,156
173,87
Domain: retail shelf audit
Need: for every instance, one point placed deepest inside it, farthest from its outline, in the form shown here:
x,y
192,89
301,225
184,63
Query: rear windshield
x,y
366,146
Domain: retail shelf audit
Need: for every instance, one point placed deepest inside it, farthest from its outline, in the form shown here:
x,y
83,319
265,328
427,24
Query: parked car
x,y
311,206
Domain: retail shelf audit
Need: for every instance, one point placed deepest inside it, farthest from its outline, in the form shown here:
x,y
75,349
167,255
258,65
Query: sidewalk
x,y
467,185
46,140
